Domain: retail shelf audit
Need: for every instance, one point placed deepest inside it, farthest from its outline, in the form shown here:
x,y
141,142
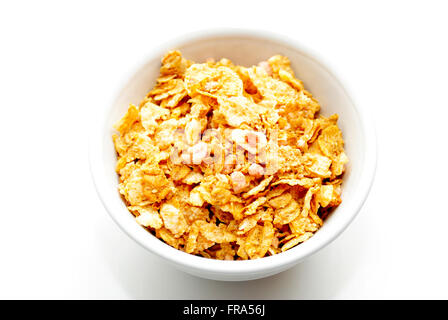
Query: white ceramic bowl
x,y
245,48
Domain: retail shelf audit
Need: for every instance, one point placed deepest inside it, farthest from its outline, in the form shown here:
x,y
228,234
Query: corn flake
x,y
148,217
173,219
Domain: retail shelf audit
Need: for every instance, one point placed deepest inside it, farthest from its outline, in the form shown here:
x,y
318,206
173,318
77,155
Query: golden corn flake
x,y
173,219
214,82
128,120
192,238
296,240
226,252
149,114
330,141
325,195
259,240
252,208
169,238
287,214
281,201
229,162
248,223
148,217
215,233
259,188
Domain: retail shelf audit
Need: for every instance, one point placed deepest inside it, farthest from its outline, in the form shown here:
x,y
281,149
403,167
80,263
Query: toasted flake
x,y
193,178
237,111
325,195
148,217
318,165
330,141
203,79
252,208
300,225
307,202
338,165
266,67
128,120
304,182
192,213
196,196
168,237
227,252
248,223
235,208
156,185
203,243
259,240
215,233
193,131
281,201
173,219
173,64
255,190
179,172
150,113
192,239
287,214
296,240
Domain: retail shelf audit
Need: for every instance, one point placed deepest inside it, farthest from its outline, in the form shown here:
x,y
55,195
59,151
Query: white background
x,y
60,60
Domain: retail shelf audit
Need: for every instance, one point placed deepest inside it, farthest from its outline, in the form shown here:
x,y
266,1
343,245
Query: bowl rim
x,y
257,267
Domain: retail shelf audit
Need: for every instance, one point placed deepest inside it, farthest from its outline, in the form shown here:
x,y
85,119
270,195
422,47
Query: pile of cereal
x,y
229,162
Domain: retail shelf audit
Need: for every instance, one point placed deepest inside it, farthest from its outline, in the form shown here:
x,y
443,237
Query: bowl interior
x,y
245,50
